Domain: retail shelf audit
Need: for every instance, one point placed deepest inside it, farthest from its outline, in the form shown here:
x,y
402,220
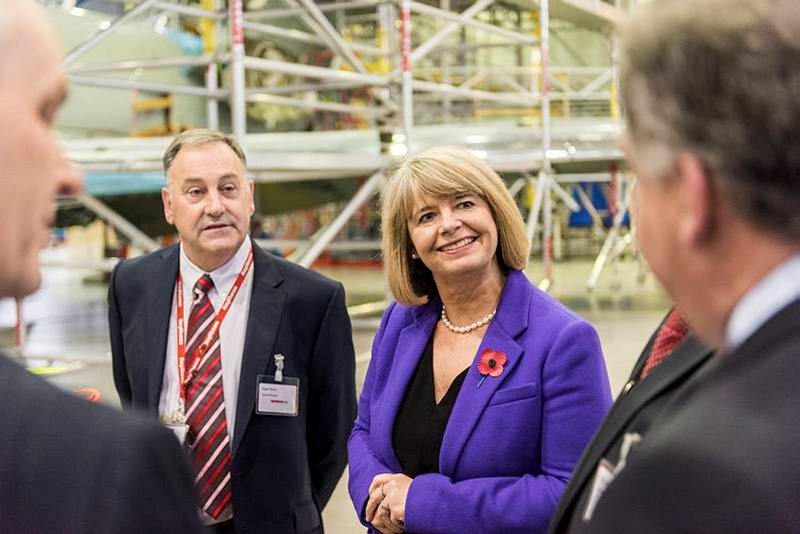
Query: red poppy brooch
x,y
491,364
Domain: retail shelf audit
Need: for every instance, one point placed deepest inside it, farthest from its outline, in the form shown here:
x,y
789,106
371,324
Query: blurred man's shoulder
x,y
72,466
37,408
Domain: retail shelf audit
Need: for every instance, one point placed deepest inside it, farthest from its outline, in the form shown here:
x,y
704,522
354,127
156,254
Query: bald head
x,y
20,19
34,171
10,17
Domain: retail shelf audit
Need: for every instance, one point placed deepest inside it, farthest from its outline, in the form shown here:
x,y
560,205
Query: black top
x,y
419,427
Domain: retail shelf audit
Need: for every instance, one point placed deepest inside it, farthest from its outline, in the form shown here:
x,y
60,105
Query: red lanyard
x,y
183,377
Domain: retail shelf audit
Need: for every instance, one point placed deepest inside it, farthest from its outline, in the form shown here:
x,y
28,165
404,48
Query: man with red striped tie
x,y
248,358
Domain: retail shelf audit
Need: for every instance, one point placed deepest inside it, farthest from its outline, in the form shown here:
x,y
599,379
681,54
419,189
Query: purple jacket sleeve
x,y
363,464
575,398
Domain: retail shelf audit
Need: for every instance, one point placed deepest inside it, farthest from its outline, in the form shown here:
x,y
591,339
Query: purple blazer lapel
x,y
511,320
407,354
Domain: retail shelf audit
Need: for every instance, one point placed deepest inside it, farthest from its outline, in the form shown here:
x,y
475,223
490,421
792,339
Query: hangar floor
x,y
67,327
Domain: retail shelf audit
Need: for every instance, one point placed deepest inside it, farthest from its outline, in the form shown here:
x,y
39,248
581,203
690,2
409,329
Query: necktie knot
x,y
204,285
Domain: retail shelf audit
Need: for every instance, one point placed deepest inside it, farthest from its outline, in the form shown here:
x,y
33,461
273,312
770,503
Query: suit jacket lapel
x,y
408,353
511,320
160,293
673,369
266,310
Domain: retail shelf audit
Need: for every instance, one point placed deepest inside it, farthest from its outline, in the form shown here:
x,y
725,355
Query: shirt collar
x,y
770,295
223,276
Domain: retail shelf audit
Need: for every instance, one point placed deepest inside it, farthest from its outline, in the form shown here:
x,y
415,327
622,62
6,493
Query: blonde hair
x,y
442,172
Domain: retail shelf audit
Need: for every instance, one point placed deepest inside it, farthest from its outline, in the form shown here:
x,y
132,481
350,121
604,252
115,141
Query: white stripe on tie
x,y
211,421
203,393
213,457
200,329
216,491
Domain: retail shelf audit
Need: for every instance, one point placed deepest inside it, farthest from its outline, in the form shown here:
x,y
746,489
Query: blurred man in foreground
x,y
65,465
712,92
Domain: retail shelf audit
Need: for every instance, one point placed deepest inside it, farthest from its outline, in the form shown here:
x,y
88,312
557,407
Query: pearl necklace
x,y
467,328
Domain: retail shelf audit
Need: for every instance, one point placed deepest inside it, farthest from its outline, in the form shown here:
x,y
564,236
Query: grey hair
x,y
720,79
199,136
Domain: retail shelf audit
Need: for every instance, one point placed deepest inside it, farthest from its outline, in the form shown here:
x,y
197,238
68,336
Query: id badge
x,y
277,398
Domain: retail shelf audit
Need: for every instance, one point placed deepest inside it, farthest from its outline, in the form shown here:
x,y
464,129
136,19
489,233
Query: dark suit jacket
x,y
635,410
724,457
68,466
284,468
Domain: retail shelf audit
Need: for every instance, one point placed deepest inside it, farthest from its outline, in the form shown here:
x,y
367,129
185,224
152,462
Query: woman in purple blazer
x,y
482,390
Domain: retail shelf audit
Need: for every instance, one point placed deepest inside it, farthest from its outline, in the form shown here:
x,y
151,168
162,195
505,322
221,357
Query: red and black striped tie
x,y
205,406
672,333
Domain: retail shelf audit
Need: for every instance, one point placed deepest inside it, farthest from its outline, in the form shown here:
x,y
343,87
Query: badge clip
x,y
629,441
279,367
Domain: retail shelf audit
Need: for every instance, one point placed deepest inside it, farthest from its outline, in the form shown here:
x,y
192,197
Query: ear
x,y
698,207
252,186
166,199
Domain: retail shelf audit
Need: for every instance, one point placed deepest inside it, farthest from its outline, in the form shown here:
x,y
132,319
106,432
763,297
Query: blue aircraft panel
x,y
125,183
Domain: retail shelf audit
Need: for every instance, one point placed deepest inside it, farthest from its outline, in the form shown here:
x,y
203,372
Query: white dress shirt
x,y
770,295
232,331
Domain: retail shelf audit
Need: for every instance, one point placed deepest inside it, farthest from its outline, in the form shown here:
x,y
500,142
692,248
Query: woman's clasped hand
x,y
387,502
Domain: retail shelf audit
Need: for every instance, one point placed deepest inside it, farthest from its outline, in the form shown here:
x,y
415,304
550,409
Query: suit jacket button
x,y
628,386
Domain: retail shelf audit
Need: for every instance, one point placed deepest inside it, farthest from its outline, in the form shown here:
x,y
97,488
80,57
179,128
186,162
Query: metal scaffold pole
x,y
614,100
614,242
546,167
326,235
107,31
238,97
408,110
620,191
211,31
389,72
542,202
